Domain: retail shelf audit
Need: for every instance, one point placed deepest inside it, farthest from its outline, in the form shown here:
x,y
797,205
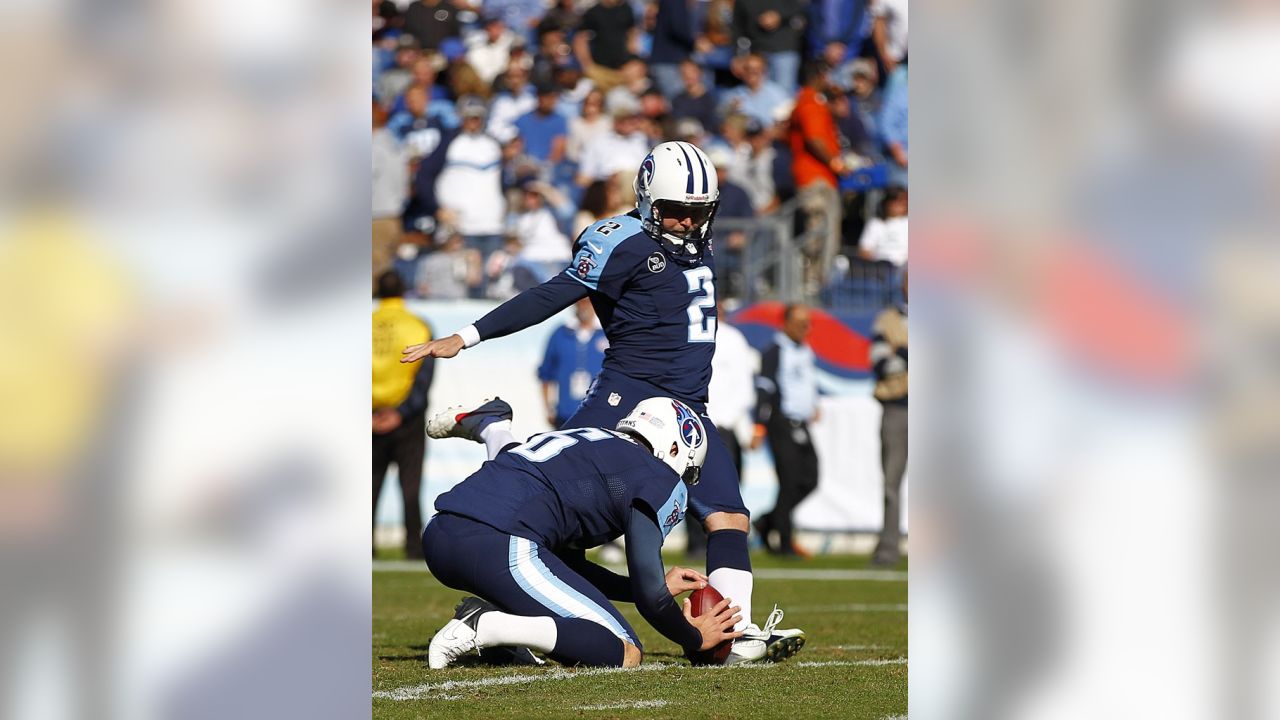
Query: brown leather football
x,y
703,601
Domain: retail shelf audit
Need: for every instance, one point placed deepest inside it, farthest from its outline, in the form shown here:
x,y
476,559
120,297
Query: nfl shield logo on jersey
x,y
614,399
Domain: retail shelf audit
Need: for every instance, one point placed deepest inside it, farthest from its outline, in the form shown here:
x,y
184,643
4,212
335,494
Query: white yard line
x,y
761,573
812,663
630,705
850,607
415,692
445,690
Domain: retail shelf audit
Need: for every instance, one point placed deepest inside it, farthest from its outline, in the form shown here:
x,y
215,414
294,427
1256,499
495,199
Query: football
x,y
703,601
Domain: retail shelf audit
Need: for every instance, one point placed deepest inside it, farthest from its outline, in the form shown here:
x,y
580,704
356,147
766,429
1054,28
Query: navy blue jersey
x,y
659,314
570,489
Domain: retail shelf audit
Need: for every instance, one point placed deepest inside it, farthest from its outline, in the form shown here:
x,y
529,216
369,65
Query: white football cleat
x,y
467,421
748,648
458,636
768,643
782,644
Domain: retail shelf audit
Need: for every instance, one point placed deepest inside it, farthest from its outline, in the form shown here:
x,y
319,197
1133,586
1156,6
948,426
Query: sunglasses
x,y
696,214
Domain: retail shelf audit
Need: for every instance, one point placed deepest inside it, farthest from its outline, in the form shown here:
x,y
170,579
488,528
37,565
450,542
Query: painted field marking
x,y
630,705
850,607
809,664
761,573
415,692
446,690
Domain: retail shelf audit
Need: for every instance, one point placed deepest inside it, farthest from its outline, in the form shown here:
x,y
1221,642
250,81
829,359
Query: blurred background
x,y
1094,267
182,360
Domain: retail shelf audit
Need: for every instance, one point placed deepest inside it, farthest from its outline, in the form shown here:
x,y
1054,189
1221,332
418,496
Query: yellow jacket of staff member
x,y
394,328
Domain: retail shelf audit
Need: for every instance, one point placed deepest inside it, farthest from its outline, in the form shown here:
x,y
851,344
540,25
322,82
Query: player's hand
x,y
683,579
757,437
442,348
715,626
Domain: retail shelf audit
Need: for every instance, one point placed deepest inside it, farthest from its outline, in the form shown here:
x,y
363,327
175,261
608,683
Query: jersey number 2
x,y
548,445
701,327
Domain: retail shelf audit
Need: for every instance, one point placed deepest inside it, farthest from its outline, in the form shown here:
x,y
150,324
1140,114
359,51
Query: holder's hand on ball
x,y
715,626
683,579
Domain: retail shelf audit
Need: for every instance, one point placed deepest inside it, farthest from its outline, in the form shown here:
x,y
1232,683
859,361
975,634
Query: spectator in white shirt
x,y
886,238
890,32
469,188
620,150
489,51
545,250
592,123
516,100
451,272
390,190
755,172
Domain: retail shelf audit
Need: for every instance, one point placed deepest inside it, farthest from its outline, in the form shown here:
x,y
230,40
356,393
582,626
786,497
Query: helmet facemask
x,y
687,246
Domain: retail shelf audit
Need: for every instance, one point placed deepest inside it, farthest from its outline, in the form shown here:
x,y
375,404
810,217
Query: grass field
x,y
854,665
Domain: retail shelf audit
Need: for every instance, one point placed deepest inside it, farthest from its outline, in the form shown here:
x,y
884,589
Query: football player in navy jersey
x,y
650,275
514,533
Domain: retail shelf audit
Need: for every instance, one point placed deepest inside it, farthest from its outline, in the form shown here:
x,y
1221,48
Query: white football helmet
x,y
678,176
674,433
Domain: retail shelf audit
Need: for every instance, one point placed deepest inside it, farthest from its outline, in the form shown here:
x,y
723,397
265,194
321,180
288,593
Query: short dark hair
x,y
891,193
390,285
812,70
790,310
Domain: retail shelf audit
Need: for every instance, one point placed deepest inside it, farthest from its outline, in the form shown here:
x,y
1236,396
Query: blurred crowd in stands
x,y
502,128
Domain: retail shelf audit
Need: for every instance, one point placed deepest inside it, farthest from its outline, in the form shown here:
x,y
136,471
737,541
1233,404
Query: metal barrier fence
x,y
764,258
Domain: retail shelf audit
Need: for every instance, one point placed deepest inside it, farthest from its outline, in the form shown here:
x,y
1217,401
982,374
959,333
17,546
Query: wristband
x,y
470,336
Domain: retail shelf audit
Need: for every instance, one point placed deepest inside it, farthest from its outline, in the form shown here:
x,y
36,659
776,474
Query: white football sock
x,y
735,585
499,628
497,435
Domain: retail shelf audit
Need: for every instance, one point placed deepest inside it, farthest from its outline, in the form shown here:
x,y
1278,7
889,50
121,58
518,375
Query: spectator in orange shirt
x,y
817,165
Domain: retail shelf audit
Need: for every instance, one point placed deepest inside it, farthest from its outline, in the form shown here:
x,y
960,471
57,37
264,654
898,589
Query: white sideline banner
x,y
849,495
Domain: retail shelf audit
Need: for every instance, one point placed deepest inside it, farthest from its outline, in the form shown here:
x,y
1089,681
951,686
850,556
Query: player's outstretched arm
x,y
524,310
531,307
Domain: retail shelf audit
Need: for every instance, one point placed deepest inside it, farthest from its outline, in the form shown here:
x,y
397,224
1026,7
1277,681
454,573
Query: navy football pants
x,y
522,577
613,395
